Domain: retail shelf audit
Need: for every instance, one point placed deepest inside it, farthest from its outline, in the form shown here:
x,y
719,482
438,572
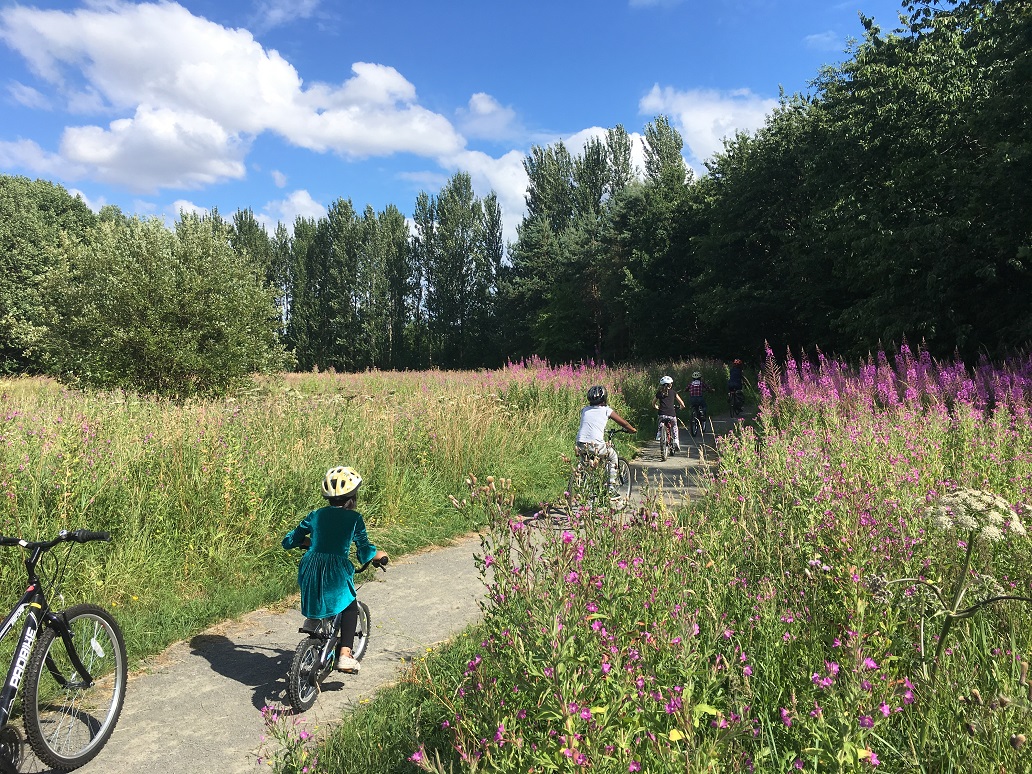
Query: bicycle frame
x,y
330,640
34,606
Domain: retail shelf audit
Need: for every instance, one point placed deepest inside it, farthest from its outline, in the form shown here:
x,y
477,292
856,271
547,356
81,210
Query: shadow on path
x,y
261,668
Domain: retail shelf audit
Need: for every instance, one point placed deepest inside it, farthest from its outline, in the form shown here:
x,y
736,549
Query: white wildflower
x,y
975,510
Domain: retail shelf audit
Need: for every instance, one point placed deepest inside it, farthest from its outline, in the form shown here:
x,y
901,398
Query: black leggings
x,y
348,625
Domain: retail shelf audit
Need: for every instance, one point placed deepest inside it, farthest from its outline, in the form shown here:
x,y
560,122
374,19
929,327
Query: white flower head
x,y
975,510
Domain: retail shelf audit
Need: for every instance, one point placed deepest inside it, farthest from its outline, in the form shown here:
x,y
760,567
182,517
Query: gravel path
x,y
196,708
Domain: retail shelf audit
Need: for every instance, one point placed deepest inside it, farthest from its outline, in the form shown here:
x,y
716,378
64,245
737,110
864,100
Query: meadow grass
x,y
851,595
198,495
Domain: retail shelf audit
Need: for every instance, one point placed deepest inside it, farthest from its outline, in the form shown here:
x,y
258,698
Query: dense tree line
x,y
892,201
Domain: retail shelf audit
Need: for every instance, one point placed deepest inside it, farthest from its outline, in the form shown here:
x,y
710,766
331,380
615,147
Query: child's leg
x,y
611,465
348,625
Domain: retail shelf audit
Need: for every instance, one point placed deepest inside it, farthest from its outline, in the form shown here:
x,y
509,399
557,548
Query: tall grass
x,y
793,620
198,495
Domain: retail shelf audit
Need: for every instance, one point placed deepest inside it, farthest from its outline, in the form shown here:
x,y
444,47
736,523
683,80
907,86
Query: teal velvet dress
x,y
326,575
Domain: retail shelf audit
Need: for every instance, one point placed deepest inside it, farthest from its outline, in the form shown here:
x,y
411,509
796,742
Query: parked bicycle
x,y
589,480
73,664
735,402
316,654
666,437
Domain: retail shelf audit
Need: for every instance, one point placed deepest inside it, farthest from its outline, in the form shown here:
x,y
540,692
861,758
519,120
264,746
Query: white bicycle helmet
x,y
340,482
696,374
666,380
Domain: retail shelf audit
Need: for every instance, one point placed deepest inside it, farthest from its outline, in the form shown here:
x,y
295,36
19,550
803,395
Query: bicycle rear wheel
x,y
304,675
68,720
664,445
362,631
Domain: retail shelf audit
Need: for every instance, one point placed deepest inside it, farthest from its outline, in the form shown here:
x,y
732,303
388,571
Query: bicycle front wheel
x,y
362,631
68,719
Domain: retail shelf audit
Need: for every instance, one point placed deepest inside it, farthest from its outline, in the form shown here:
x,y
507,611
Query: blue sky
x,y
284,106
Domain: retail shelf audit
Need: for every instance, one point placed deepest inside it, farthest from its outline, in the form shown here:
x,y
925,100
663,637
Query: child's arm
x,y
298,537
680,402
622,422
366,550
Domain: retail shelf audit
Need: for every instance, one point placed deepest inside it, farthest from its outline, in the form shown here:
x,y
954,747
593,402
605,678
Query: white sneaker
x,y
349,665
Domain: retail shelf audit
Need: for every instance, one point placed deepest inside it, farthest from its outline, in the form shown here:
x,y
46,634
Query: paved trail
x,y
196,708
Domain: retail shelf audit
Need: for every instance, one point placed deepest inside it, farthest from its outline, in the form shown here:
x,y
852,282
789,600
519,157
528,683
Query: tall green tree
x,y
36,219
174,313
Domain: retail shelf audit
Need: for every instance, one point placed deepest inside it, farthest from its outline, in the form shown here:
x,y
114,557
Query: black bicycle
x,y
735,402
697,426
73,664
666,437
316,654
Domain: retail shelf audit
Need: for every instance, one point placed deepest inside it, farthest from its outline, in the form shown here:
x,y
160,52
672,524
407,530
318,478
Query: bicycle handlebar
x,y
382,564
64,536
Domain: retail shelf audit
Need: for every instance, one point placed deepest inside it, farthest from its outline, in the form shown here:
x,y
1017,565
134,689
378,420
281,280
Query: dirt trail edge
x,y
196,708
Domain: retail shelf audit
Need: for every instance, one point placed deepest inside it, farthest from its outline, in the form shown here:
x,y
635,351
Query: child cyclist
x,y
666,403
326,575
697,390
591,434
734,376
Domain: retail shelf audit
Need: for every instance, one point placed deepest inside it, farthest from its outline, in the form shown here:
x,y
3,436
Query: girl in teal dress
x,y
326,575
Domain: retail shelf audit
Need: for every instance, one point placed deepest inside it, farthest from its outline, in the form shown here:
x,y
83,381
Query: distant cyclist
x,y
666,403
697,390
734,377
591,436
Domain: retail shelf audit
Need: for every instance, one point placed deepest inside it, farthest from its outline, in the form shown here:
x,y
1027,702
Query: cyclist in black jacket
x,y
666,403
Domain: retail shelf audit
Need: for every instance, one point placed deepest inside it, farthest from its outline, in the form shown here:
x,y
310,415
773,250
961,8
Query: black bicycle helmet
x,y
597,395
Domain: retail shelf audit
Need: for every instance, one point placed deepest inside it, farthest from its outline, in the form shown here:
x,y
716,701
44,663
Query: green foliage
x,y
137,307
34,218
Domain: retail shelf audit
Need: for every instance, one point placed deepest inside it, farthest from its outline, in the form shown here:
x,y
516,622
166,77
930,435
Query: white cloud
x,y
198,93
278,178
485,117
28,96
298,204
28,155
275,13
705,117
157,148
824,41
187,207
